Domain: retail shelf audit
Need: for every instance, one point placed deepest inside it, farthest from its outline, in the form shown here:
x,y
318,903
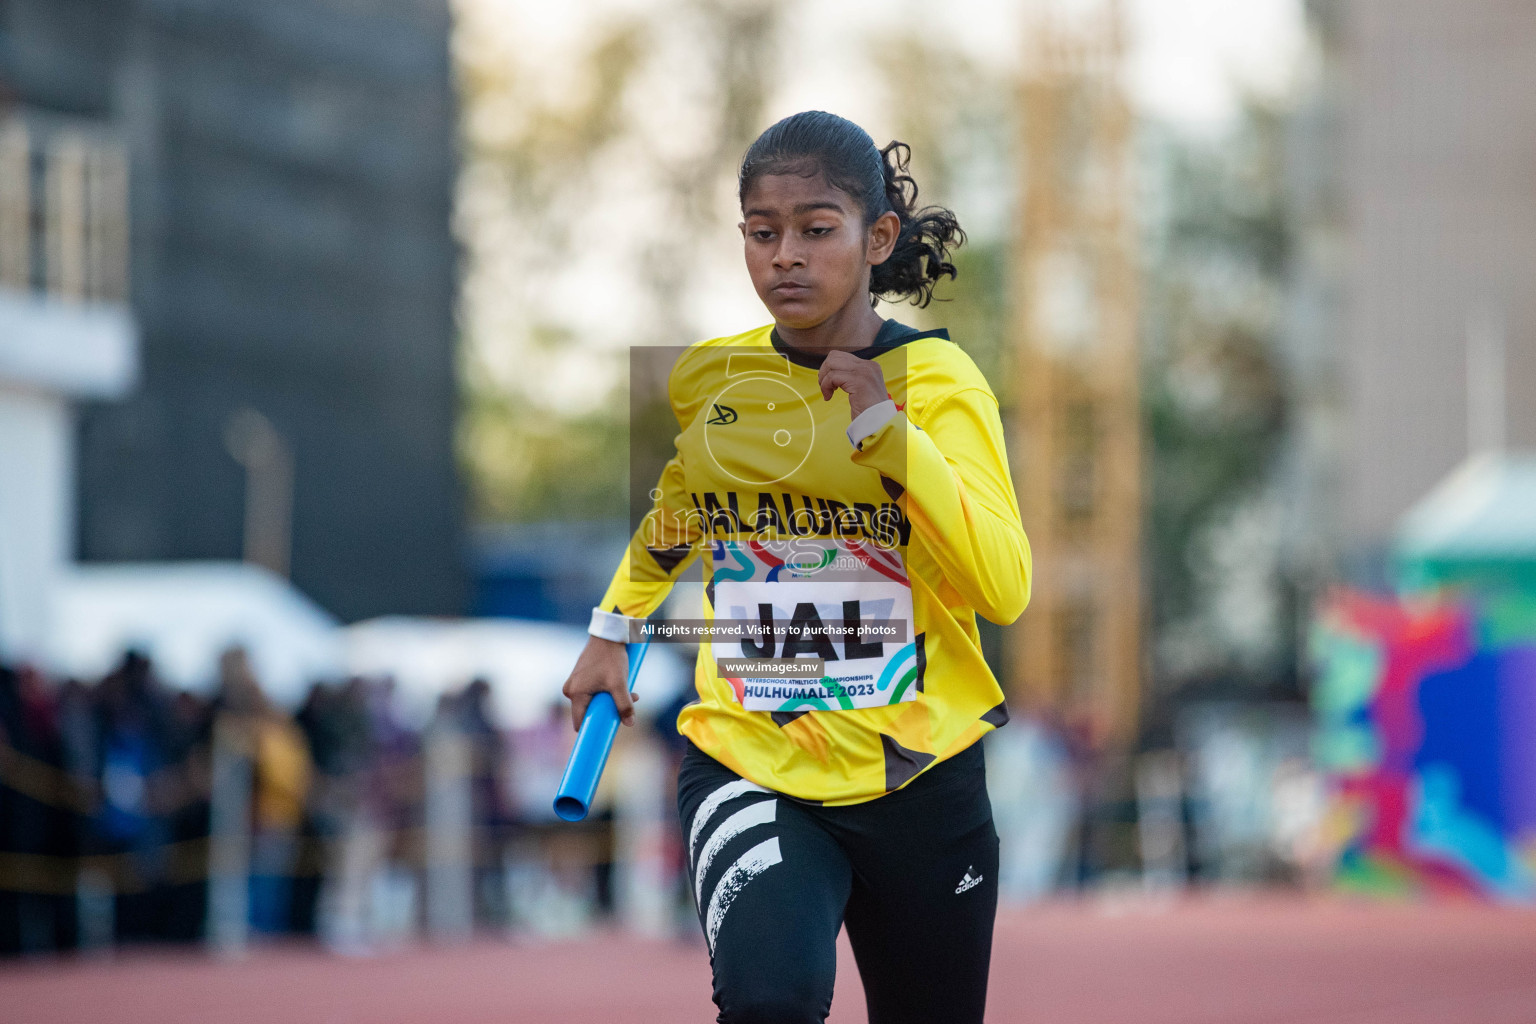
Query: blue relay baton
x,y
593,742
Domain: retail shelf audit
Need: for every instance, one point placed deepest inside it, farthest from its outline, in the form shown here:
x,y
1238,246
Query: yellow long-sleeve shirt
x,y
917,527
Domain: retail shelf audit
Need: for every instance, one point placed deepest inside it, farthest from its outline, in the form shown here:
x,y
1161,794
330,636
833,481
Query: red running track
x,y
1234,960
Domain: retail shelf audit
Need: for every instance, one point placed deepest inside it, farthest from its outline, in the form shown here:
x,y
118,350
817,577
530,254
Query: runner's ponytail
x,y
926,236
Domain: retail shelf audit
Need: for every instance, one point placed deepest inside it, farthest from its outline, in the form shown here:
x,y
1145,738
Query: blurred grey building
x,y
1414,322
291,272
67,337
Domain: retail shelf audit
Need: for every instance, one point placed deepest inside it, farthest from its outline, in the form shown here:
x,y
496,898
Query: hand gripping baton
x,y
593,742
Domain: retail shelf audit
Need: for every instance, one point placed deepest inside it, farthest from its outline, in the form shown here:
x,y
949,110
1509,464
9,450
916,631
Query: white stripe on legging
x,y
759,813
712,804
747,867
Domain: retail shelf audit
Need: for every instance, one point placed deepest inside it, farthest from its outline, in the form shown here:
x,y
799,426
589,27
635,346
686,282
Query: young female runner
x,y
846,479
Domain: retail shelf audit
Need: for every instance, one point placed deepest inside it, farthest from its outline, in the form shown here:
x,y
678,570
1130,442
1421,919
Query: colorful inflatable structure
x,y
1426,701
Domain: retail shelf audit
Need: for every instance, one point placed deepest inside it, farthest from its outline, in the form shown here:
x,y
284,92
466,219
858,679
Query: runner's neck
x,y
892,334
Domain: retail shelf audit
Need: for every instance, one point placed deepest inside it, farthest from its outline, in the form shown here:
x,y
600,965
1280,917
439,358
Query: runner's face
x,y
807,248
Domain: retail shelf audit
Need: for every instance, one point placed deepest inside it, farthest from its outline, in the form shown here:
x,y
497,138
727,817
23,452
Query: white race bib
x,y
847,602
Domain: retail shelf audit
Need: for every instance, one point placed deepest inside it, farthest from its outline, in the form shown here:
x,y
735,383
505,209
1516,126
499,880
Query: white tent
x,y
525,662
1485,509
183,614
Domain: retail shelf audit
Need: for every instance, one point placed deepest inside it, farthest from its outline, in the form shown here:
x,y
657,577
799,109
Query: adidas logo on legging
x,y
708,837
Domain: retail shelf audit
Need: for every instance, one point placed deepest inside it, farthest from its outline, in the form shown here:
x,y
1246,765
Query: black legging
x,y
912,874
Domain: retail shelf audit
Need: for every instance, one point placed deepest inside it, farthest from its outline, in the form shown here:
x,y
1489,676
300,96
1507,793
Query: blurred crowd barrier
x,y
132,811
1232,799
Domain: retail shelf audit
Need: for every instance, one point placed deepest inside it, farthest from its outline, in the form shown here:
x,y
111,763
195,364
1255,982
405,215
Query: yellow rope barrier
x,y
177,786
46,784
52,875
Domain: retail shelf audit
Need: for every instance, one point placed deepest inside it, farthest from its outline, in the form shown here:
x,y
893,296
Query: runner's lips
x,y
791,288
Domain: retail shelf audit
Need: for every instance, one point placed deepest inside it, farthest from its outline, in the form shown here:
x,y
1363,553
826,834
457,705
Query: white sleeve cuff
x,y
870,420
610,626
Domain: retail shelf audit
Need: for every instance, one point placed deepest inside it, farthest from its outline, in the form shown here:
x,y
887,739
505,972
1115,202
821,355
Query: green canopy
x,y
1476,528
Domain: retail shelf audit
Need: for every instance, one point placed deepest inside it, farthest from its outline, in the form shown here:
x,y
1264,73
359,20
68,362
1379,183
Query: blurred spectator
x,y
490,808
32,822
336,729
280,786
1033,788
185,802
339,729
559,869
134,742
381,797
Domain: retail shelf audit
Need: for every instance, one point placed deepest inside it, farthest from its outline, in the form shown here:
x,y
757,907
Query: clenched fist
x,y
861,378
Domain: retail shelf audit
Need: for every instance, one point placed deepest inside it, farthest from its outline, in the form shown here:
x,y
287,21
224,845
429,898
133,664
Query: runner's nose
x,y
787,255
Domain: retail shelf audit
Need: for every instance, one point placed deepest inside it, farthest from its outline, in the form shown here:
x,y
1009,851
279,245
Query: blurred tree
x,y
527,156
1215,400
1216,244
958,117
595,185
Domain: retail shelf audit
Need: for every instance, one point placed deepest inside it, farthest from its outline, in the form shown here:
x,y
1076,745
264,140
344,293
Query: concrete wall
x,y
1440,217
36,463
